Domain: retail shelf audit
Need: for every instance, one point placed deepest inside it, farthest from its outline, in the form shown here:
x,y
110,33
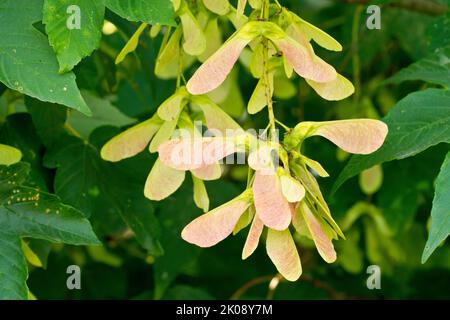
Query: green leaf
x,y
417,122
72,44
151,12
103,113
29,212
440,213
13,268
27,62
48,119
439,32
434,69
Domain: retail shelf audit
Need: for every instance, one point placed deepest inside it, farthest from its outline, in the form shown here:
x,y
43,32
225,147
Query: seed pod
x,y
132,141
283,253
162,181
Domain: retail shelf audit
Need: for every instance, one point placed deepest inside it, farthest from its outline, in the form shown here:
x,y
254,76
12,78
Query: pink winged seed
x,y
130,142
253,237
214,71
305,63
192,154
283,253
214,226
209,172
323,244
271,206
359,136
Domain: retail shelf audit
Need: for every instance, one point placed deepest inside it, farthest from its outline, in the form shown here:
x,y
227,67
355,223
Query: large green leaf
x,y
417,122
440,214
439,32
152,12
27,62
434,69
29,212
13,268
72,44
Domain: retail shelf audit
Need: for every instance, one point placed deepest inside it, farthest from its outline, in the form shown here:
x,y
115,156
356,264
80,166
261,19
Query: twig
x,y
254,282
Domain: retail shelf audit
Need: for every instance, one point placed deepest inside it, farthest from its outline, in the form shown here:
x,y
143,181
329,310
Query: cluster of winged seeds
x,y
281,189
